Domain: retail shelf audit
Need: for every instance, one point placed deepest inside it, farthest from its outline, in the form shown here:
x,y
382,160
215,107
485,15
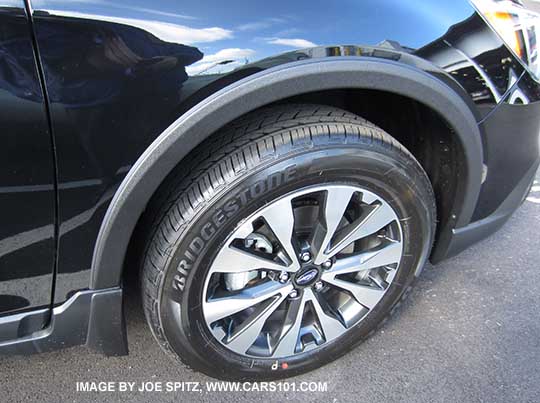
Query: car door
x,y
27,185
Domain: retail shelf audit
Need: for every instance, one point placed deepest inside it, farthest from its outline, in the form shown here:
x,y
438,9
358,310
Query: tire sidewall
x,y
387,173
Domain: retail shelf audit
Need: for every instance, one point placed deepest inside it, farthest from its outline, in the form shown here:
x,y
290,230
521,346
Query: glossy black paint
x,y
117,74
27,193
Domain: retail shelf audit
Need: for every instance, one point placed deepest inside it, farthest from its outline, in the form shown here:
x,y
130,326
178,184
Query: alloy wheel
x,y
302,271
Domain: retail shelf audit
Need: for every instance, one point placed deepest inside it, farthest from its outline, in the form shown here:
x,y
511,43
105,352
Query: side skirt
x,y
92,317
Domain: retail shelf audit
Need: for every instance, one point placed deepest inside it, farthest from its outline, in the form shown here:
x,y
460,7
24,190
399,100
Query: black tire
x,y
302,145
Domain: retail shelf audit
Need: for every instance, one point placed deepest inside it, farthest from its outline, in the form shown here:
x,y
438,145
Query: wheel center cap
x,y
307,276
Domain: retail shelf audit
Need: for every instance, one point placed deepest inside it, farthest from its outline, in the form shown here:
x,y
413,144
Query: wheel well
x,y
421,130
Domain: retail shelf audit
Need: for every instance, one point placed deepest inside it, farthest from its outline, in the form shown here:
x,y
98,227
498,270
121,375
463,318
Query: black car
x,y
277,173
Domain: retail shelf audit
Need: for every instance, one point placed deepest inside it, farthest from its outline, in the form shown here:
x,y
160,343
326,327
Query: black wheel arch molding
x,y
265,88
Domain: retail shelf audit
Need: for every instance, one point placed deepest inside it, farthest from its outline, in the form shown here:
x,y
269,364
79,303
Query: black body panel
x,y
27,178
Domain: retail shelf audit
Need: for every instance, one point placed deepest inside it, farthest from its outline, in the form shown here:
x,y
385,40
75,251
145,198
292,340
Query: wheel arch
x,y
264,88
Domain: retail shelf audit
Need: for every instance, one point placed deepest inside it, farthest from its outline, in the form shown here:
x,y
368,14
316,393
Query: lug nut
x,y
305,256
318,286
293,294
283,277
327,264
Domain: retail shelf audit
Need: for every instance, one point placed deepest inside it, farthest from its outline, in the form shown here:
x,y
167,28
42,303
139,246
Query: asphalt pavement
x,y
469,332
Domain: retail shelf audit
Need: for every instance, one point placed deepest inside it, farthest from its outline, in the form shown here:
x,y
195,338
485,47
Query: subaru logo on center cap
x,y
306,277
